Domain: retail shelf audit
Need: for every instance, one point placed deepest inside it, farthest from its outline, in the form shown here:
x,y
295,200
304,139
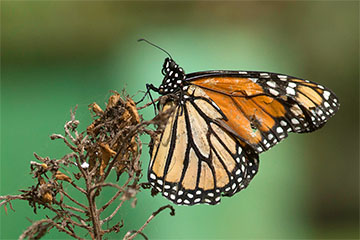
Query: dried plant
x,y
110,144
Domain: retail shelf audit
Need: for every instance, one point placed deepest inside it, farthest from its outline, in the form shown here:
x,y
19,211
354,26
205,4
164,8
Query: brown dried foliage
x,y
110,143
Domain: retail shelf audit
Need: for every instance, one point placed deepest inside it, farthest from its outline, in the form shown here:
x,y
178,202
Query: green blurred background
x,y
59,54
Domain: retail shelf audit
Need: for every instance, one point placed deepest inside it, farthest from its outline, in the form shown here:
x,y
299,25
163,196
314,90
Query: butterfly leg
x,y
149,87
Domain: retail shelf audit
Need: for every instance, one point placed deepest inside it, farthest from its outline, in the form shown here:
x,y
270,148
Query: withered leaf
x,y
106,154
61,176
113,100
96,109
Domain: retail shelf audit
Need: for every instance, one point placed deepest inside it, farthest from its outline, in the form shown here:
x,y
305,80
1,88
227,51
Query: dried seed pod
x,y
47,197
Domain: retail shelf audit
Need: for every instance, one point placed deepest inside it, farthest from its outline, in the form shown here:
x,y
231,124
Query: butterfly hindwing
x,y
195,159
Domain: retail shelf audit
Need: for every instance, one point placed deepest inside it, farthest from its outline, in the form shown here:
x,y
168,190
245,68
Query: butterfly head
x,y
173,77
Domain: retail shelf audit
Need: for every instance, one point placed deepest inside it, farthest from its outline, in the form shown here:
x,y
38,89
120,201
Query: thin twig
x,y
115,196
100,185
113,213
83,172
77,187
59,136
67,131
72,208
9,198
72,199
141,233
153,215
38,224
148,104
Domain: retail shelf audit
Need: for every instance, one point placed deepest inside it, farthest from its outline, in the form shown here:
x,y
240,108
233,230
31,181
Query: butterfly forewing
x,y
196,160
261,108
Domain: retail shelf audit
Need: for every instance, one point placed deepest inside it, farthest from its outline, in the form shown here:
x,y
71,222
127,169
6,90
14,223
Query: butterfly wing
x,y
261,108
195,159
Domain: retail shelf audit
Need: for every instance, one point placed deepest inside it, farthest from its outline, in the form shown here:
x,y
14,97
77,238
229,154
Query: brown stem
x,y
93,211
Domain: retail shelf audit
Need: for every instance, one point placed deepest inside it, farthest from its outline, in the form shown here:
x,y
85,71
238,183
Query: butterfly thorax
x,y
174,77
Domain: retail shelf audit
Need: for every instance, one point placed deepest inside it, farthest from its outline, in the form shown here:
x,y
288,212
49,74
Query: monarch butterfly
x,y
220,123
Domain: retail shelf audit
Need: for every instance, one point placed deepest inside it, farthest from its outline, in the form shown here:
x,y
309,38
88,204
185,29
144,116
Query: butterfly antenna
x,y
152,44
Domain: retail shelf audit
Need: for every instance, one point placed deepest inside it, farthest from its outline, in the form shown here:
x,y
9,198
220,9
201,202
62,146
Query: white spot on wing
x,y
326,95
292,84
290,91
279,130
270,136
273,92
295,121
271,84
283,123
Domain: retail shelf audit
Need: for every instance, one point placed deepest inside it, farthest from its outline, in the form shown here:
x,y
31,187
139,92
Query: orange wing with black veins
x,y
261,108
